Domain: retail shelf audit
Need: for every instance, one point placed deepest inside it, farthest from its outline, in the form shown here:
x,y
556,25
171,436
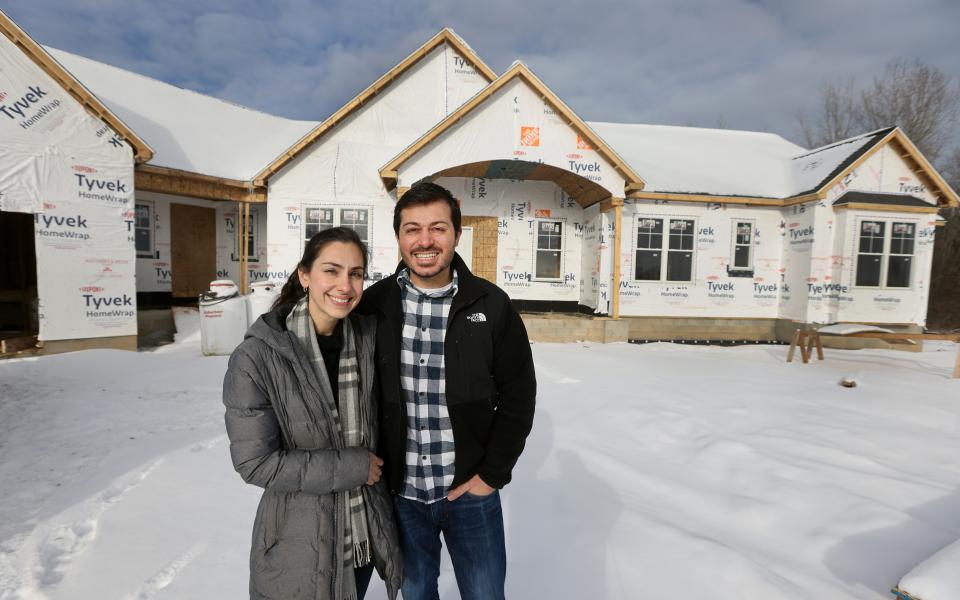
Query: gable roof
x,y
445,36
518,71
142,152
191,132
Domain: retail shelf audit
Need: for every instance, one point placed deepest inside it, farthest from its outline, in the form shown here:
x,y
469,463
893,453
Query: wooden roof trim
x,y
676,197
446,35
928,171
166,180
633,181
823,189
886,208
142,152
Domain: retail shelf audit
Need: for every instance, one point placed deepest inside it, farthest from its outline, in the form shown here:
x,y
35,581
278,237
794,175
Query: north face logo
x,y
477,318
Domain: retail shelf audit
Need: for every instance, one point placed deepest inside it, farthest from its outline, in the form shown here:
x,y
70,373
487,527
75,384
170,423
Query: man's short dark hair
x,y
425,193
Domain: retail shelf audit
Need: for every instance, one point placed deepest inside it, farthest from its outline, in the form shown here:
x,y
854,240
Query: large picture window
x,y
885,253
549,251
664,250
319,218
143,229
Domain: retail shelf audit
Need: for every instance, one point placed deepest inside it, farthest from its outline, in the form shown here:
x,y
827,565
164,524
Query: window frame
x,y
665,249
734,244
254,225
885,253
537,249
151,227
338,210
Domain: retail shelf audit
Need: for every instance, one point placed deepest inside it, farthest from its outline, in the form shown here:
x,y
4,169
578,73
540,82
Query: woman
x,y
301,418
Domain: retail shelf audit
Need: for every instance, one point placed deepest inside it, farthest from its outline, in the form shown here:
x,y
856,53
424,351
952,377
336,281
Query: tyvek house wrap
x,y
75,175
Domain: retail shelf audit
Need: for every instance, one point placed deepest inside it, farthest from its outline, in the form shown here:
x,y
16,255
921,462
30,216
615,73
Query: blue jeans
x,y
472,526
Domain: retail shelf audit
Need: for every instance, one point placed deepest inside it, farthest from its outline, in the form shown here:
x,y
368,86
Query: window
x,y
653,261
885,253
252,255
319,218
143,229
547,263
742,246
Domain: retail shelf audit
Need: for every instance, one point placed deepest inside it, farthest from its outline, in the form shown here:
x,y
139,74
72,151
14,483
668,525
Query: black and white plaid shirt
x,y
430,450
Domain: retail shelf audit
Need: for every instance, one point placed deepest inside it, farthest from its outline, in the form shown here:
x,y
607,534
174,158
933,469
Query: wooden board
x,y
193,249
484,246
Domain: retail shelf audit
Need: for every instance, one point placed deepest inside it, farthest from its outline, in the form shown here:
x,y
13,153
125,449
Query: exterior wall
x,y
515,122
713,291
342,169
75,175
154,274
519,205
590,254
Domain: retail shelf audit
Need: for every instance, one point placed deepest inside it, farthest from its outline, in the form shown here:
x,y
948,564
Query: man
x,y
457,394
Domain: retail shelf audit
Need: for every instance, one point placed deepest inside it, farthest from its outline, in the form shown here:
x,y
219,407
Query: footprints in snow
x,y
166,575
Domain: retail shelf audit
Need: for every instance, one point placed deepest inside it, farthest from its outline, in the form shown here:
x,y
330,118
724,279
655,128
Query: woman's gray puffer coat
x,y
283,439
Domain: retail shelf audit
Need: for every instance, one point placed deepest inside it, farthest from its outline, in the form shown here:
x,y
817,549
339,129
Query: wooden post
x,y
793,345
616,205
617,228
244,214
956,369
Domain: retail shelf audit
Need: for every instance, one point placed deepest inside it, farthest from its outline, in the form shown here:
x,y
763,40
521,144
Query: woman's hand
x,y
375,471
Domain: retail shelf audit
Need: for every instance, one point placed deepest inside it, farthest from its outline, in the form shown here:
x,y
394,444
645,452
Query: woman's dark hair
x,y
292,290
425,193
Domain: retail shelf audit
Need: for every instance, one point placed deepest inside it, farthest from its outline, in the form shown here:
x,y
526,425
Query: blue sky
x,y
743,64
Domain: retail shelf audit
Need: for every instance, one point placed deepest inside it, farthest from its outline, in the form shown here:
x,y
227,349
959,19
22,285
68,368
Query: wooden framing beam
x,y
244,212
887,208
610,204
194,185
706,198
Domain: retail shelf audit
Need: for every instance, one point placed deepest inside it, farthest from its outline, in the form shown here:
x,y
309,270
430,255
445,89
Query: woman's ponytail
x,y
291,292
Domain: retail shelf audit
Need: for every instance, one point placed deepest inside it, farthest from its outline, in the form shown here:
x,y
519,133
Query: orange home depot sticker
x,y
583,144
529,136
542,213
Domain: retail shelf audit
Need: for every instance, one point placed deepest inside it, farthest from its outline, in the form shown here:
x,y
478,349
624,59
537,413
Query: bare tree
x,y
919,98
835,118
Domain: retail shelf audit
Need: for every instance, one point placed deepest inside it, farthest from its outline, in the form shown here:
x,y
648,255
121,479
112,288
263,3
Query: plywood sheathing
x,y
142,152
445,36
484,246
634,182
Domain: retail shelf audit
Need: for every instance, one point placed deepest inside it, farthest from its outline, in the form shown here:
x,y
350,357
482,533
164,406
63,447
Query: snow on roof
x,y
811,170
724,162
692,160
190,131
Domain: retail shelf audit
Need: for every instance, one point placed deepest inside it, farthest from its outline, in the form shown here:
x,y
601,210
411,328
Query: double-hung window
x,y
885,253
252,229
143,229
548,262
319,218
742,246
664,250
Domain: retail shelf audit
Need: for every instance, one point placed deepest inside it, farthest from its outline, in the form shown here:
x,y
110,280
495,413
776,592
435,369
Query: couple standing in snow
x,y
375,430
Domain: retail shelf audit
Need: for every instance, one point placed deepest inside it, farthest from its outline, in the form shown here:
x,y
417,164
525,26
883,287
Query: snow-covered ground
x,y
654,471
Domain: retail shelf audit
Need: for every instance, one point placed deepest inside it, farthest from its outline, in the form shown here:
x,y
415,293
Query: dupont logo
x,y
529,136
901,178
811,280
712,277
49,206
91,289
519,153
83,169
2,96
574,156
583,144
